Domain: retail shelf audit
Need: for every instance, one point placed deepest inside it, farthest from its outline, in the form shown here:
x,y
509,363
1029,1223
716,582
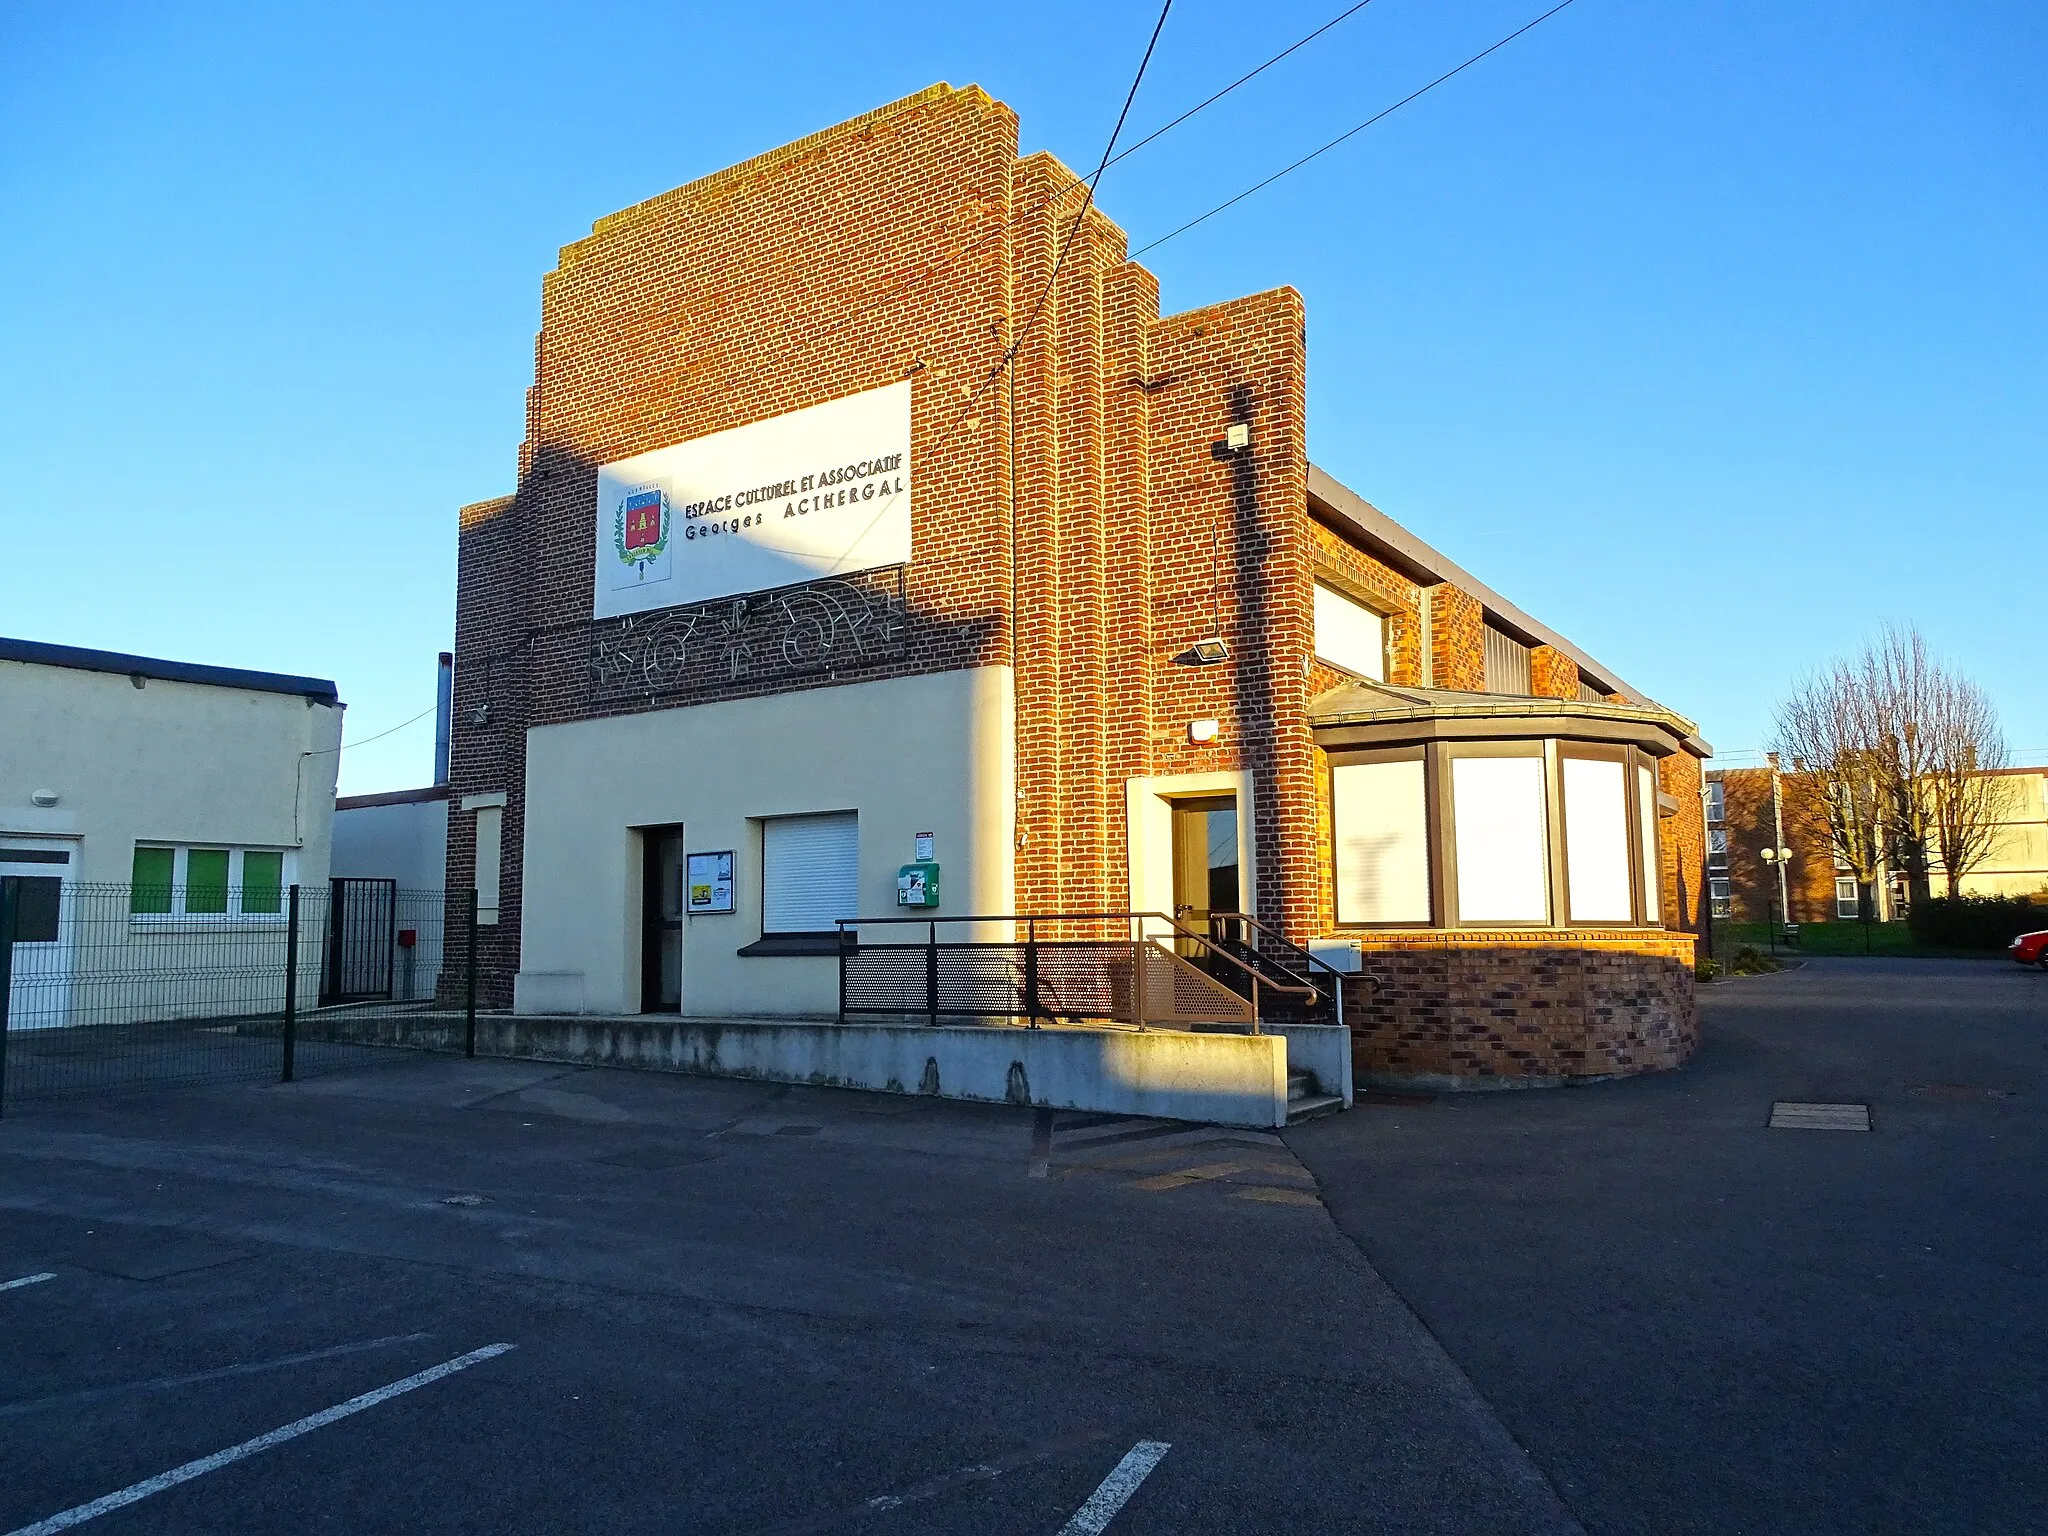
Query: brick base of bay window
x,y
1514,1008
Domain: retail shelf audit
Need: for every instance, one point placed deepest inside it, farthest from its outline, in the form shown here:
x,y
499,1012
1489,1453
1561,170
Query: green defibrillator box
x,y
917,884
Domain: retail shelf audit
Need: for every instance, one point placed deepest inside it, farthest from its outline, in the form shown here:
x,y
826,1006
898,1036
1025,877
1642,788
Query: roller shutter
x,y
809,870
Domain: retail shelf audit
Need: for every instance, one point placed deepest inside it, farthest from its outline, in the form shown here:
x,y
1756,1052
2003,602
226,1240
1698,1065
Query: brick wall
x,y
1552,674
1753,885
1515,1007
1457,639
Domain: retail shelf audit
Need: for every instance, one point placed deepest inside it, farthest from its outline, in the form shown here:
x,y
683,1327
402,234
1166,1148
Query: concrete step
x,y
1314,1108
1300,1084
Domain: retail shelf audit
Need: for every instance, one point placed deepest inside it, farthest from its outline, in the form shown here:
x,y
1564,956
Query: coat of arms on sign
x,y
640,529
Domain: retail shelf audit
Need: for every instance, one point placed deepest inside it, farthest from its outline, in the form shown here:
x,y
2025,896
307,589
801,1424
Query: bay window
x,y
1468,833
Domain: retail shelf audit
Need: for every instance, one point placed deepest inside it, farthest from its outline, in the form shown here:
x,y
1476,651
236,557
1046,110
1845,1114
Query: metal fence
x,y
104,987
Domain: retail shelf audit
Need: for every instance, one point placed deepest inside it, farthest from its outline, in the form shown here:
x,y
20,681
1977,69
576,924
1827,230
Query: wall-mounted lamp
x,y
1210,650
44,798
1202,732
1237,436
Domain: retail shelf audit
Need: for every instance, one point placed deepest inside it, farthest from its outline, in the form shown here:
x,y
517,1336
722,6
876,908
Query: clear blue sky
x,y
1712,334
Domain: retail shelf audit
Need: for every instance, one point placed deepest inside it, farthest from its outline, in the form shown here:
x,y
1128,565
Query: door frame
x,y
64,951
1148,834
651,838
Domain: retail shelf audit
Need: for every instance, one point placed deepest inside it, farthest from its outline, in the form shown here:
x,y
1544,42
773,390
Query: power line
x,y
378,737
1349,133
1010,352
1159,133
1018,217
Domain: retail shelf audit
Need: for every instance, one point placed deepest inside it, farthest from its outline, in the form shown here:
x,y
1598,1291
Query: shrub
x,y
1706,970
1751,961
1975,922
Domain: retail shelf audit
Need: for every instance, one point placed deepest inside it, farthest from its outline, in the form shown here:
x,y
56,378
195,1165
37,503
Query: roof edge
x,y
425,794
1347,507
84,659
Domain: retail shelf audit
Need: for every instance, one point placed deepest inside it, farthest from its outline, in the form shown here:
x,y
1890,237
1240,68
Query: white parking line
x,y
12,1285
1116,1489
79,1514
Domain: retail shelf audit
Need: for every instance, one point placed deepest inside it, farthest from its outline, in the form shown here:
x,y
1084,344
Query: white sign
x,y
926,847
818,492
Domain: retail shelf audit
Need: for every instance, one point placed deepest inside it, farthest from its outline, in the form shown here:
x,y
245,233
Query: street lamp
x,y
1778,859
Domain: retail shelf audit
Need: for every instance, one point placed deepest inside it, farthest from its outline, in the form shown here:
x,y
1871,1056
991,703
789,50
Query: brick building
x,y
1751,809
796,573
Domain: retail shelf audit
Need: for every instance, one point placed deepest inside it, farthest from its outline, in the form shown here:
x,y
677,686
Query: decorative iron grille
x,y
814,627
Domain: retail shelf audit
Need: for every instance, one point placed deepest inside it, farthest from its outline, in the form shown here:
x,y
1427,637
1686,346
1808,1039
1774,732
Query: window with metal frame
x,y
809,872
1646,843
207,882
1717,846
1349,635
1846,905
1379,812
1500,839
1597,885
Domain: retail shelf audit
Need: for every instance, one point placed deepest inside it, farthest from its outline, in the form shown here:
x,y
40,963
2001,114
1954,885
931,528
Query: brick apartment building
x,y
1751,809
791,596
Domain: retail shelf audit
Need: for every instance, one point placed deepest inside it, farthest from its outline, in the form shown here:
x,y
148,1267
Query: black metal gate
x,y
362,940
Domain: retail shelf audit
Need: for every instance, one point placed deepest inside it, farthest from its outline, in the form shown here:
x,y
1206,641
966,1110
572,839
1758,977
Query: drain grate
x,y
1789,1116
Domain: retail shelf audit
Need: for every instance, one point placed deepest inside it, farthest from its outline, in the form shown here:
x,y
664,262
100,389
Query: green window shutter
x,y
206,880
262,883
149,886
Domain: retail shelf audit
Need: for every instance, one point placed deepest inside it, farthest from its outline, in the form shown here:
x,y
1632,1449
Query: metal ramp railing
x,y
1120,967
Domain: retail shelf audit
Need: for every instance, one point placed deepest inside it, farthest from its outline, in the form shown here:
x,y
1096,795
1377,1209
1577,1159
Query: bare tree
x,y
1899,750
1903,686
1965,795
1829,733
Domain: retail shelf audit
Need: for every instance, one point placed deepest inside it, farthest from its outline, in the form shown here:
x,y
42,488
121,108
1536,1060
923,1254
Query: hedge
x,y
1975,922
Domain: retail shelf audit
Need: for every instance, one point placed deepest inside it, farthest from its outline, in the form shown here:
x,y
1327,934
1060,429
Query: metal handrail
x,y
1031,920
1337,984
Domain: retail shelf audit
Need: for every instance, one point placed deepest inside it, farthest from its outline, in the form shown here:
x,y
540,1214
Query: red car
x,y
2030,949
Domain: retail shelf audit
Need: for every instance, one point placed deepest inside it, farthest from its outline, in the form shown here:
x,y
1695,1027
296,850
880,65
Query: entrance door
x,y
39,996
661,921
1204,863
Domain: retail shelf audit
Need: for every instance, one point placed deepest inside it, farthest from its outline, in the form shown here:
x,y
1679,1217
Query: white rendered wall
x,y
407,842
167,762
934,753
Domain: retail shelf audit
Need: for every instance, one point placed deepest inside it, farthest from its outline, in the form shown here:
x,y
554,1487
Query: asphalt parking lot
x,y
436,1295
730,1308
1698,1324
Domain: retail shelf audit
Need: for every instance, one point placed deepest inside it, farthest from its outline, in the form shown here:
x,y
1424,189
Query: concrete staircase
x,y
1305,1098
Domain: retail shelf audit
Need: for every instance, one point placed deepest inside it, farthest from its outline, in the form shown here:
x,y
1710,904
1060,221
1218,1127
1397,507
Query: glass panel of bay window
x,y
1501,836
1646,815
206,880
1380,825
1350,635
1597,885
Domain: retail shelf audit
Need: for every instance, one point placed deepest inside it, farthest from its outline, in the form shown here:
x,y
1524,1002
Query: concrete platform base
x,y
1225,1079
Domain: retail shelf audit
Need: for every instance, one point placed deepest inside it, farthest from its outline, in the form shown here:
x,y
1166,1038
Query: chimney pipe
x,y
444,711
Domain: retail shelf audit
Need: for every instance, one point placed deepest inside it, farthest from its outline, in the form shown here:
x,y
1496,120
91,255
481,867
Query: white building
x,y
155,814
